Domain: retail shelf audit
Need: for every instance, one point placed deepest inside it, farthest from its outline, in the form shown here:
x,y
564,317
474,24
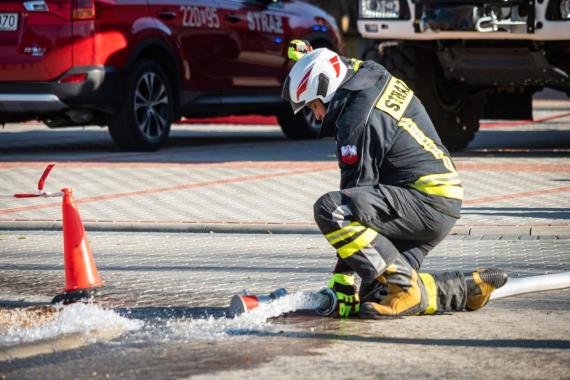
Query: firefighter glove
x,y
298,48
346,293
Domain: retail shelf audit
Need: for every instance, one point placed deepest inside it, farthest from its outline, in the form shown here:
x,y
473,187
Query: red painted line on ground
x,y
527,194
523,122
514,167
253,223
514,225
194,185
325,165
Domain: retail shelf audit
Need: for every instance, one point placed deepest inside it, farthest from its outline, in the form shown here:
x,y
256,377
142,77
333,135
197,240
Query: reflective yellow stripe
x,y
431,290
428,144
335,233
395,98
445,185
447,191
436,182
352,232
357,244
439,179
447,163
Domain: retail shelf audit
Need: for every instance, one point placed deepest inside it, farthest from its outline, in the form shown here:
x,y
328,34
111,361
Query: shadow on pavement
x,y
153,313
18,304
98,142
519,212
251,144
494,343
516,143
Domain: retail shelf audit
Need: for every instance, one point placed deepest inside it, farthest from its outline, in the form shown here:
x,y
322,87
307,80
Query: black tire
x,y
301,126
144,119
455,115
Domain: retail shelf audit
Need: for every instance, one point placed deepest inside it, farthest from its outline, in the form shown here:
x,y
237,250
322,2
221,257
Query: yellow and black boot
x,y
405,294
480,284
455,291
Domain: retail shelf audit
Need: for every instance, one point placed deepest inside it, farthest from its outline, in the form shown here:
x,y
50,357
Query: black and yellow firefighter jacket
x,y
385,136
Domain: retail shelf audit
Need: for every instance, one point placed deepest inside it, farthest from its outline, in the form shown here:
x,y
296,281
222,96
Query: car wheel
x,y
454,115
144,119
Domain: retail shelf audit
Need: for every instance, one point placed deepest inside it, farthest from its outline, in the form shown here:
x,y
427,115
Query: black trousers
x,y
370,226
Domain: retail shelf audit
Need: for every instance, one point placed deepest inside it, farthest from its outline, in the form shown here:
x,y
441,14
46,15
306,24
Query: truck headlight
x,y
383,8
565,9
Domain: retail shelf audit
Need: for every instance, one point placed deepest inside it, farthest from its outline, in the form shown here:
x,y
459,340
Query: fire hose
x,y
325,300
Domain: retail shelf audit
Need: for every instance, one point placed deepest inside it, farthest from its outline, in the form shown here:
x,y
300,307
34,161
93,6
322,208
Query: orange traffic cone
x,y
81,278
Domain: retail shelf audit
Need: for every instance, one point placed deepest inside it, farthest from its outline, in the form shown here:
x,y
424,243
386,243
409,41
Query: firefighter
x,y
400,193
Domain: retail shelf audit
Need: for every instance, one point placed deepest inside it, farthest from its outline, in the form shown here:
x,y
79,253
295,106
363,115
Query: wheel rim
x,y
151,106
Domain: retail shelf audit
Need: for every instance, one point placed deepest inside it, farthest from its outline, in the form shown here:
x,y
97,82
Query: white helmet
x,y
317,75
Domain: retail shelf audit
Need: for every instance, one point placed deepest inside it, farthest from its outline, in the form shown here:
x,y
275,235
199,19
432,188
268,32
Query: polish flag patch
x,y
349,154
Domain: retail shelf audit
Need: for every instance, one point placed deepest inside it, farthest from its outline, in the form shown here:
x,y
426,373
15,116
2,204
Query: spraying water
x,y
78,317
89,323
255,320
82,317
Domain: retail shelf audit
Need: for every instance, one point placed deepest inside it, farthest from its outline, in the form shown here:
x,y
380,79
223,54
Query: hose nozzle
x,y
327,301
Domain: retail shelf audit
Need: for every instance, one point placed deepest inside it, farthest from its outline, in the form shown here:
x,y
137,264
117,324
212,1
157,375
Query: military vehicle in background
x,y
471,59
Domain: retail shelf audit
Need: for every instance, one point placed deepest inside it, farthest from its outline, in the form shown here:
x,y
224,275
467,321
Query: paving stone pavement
x,y
513,176
516,215
208,193
192,270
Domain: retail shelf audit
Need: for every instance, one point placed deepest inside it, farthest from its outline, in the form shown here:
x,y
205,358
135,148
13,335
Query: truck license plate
x,y
8,22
